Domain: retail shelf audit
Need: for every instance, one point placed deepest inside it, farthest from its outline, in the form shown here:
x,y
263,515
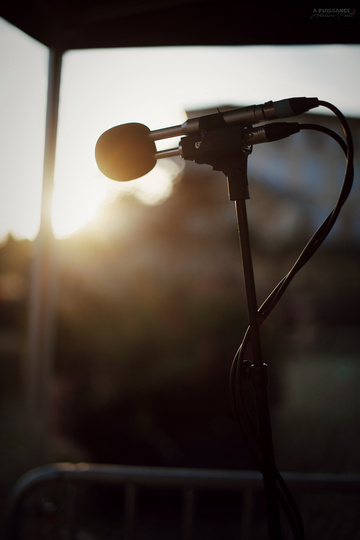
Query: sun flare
x,y
74,206
78,202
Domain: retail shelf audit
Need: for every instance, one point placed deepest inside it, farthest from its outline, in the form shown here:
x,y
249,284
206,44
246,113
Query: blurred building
x,y
151,309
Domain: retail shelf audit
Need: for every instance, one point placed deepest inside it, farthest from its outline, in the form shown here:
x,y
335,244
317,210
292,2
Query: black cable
x,y
321,233
285,497
327,131
313,244
238,366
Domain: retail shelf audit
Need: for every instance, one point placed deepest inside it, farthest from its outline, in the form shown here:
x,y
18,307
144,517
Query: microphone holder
x,y
224,149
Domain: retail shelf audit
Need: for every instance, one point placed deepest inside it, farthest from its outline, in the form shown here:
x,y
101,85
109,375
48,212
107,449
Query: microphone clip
x,y
223,147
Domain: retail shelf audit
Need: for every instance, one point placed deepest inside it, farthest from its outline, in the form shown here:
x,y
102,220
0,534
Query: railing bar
x,y
71,511
130,510
246,514
304,508
189,502
133,478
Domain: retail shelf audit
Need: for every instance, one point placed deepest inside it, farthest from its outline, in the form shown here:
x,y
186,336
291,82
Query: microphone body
x,y
249,116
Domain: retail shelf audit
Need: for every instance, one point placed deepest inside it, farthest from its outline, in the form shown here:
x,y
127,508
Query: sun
x,y
75,204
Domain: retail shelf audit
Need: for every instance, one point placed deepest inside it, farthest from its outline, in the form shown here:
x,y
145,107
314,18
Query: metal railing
x,y
48,501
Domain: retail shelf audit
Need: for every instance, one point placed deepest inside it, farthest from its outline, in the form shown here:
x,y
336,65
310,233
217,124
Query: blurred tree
x,y
149,322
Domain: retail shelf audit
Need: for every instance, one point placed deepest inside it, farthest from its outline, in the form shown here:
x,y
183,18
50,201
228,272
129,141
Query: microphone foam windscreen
x,y
125,152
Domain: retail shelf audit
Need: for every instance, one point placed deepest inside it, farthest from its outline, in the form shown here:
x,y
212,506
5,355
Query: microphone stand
x,y
223,147
259,378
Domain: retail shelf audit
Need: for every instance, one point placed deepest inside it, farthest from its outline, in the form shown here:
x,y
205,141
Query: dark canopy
x,y
84,24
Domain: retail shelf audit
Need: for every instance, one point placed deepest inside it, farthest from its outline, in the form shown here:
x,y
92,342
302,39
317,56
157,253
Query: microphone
x,y
188,146
125,152
270,132
249,116
128,151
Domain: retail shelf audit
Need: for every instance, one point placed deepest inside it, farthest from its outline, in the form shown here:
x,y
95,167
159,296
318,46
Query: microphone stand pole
x,y
238,192
222,146
259,379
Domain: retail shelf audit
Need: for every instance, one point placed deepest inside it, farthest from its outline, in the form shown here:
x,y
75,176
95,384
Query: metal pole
x,y
259,379
43,280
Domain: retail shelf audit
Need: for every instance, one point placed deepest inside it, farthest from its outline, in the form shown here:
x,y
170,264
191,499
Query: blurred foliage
x,y
149,321
150,312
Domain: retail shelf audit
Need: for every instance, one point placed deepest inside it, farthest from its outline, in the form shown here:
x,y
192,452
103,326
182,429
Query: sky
x,y
153,86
